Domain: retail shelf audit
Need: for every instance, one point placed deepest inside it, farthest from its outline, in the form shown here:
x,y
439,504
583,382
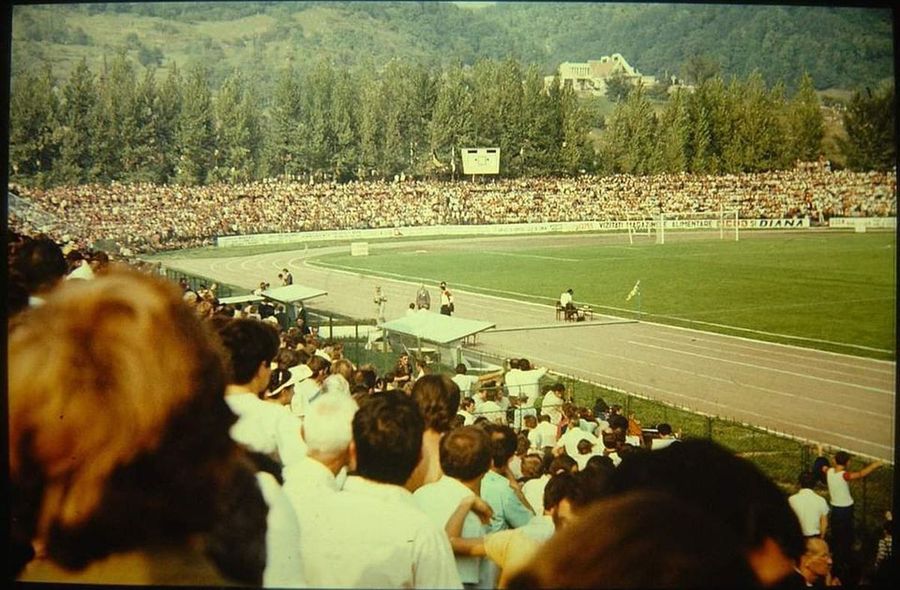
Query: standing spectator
x,y
553,402
380,301
423,298
502,493
811,508
530,382
465,455
309,388
447,307
838,479
261,427
327,432
371,534
545,434
438,400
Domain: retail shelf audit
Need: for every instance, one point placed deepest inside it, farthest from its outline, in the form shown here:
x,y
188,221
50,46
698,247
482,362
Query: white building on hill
x,y
591,76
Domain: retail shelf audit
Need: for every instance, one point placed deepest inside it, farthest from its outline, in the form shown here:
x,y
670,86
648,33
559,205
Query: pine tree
x,y
283,144
806,123
33,133
195,139
869,122
76,127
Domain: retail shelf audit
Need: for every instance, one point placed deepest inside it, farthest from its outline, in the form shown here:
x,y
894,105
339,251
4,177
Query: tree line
x,y
329,122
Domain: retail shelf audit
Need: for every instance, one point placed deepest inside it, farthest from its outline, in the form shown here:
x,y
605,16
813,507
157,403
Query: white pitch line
x,y
714,403
855,409
539,257
763,368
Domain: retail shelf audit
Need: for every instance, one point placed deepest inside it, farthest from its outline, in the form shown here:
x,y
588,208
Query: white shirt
x,y
565,298
372,535
661,443
284,566
439,500
809,507
533,490
265,427
513,381
305,482
530,384
304,393
838,488
492,411
572,436
545,435
551,405
465,382
469,418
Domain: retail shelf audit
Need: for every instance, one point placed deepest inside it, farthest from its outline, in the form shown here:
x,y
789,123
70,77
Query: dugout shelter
x,y
427,333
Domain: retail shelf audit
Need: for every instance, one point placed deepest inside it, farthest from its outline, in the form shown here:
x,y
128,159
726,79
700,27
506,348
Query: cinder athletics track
x,y
842,401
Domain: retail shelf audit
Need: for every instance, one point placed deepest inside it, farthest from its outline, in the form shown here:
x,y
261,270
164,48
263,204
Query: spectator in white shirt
x,y
530,382
269,429
465,458
811,508
371,534
466,409
545,433
552,403
310,388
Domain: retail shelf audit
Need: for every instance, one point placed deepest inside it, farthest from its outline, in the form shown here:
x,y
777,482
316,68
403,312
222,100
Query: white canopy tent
x,y
444,331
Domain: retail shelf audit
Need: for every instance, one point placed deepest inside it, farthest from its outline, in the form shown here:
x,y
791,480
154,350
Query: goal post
x,y
724,222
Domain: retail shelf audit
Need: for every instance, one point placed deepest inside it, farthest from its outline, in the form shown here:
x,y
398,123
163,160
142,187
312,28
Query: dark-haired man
x,y
838,479
811,508
465,455
371,534
502,492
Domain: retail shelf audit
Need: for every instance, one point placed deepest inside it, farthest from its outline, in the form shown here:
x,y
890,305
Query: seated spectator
x,y
78,476
395,545
466,409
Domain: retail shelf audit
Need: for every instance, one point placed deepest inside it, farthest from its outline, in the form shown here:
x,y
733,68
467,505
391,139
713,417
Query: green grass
x,y
830,291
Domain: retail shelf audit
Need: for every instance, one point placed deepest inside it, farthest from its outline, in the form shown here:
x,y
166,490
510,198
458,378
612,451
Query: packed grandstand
x,y
147,218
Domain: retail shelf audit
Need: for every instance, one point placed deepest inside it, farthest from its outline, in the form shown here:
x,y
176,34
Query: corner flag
x,y
634,291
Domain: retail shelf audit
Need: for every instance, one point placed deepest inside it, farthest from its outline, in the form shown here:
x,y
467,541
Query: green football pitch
x,y
833,291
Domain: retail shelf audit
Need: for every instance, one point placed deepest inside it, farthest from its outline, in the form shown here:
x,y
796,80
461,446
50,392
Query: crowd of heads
x,y
145,217
125,436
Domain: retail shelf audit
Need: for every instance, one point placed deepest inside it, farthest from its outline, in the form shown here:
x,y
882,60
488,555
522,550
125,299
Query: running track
x,y
841,401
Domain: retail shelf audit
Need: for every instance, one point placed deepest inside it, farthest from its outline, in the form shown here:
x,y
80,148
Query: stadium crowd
x,y
158,437
146,217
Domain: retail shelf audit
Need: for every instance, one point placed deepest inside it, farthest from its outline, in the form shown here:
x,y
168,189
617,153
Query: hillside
x,y
840,47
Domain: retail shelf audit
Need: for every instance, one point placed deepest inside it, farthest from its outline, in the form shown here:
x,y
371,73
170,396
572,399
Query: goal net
x,y
722,224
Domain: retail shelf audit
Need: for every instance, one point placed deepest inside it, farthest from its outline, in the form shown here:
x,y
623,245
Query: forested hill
x,y
840,47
